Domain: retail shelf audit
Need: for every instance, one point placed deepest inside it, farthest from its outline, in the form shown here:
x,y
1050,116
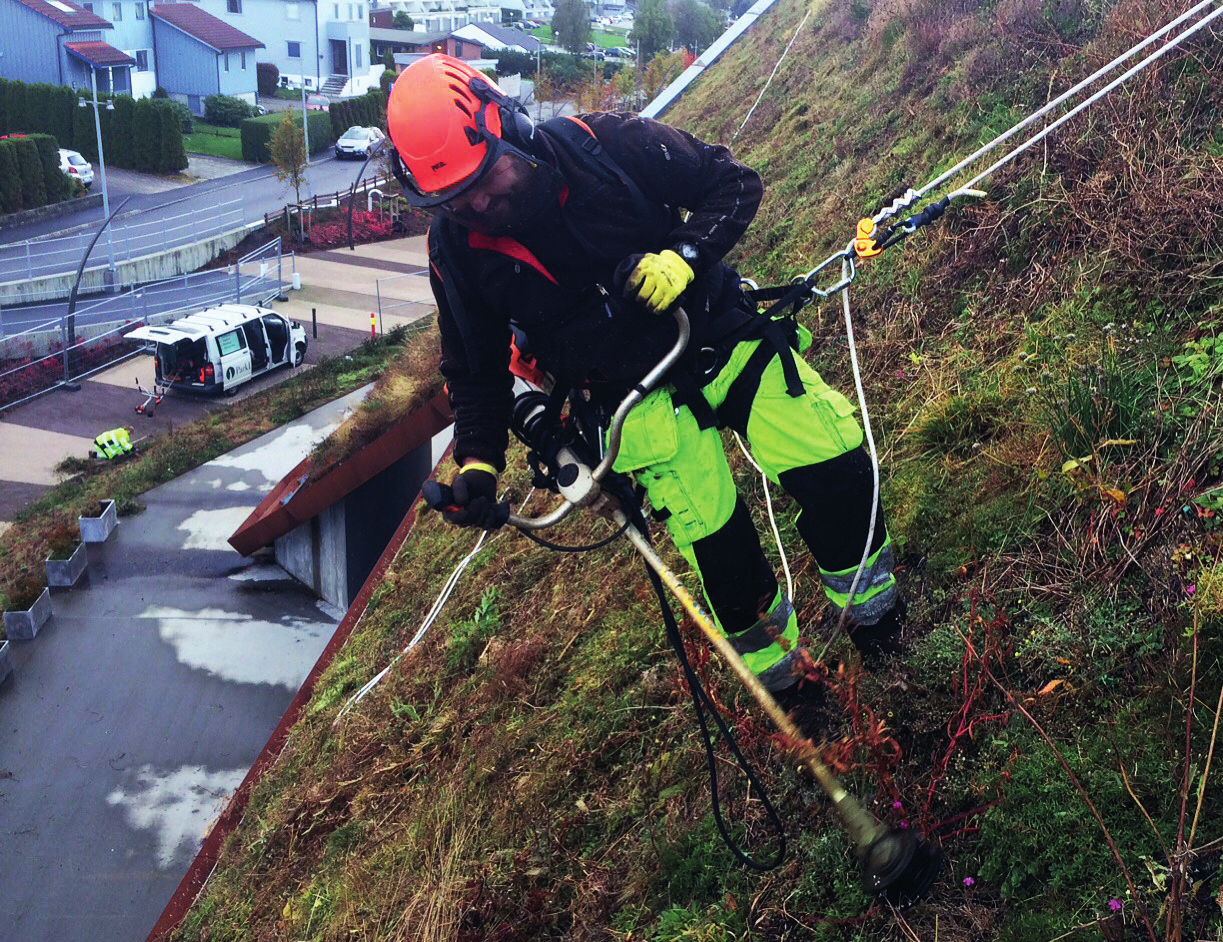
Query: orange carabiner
x,y
864,242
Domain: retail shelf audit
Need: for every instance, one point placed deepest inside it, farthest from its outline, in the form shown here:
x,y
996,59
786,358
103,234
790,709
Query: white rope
x,y
443,597
768,501
912,195
784,53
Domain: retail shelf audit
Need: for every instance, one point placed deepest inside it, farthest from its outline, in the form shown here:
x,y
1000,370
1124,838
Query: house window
x,y
291,12
350,12
227,62
243,55
140,11
88,6
337,12
356,54
360,11
142,60
117,15
233,6
295,50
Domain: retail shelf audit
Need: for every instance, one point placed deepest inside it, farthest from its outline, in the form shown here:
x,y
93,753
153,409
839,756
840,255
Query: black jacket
x,y
557,281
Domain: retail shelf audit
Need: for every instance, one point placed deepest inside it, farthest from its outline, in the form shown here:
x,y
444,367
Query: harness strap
x,y
776,340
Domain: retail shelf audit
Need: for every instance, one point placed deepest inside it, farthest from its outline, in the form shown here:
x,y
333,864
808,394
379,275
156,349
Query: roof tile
x,y
68,14
203,26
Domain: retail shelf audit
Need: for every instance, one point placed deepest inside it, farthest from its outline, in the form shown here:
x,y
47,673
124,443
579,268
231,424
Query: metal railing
x,y
44,258
326,200
389,306
40,358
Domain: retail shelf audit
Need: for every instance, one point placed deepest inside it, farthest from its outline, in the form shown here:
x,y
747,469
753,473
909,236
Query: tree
x,y
287,148
403,21
653,28
571,25
388,59
696,26
663,69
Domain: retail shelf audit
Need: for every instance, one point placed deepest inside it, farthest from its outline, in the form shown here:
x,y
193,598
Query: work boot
x,y
880,641
803,700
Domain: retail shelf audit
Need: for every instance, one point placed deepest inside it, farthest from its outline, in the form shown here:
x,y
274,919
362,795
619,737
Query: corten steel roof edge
x,y
296,499
196,877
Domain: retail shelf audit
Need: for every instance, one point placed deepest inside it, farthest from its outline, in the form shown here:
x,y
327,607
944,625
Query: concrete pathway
x,y
135,713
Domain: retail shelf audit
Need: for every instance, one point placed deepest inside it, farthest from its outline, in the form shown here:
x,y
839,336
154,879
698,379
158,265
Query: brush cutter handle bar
x,y
616,428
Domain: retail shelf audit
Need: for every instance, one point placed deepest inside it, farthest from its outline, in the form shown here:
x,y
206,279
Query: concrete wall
x,y
138,271
335,552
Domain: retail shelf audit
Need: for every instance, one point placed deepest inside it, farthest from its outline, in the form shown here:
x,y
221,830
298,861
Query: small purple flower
x,y
1114,905
900,374
904,824
1190,589
897,805
969,881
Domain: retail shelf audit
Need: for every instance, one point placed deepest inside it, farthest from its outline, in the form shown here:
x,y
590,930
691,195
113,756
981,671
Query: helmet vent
x,y
473,136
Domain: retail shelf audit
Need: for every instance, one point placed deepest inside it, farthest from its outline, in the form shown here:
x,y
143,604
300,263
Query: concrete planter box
x,y
6,661
97,529
64,573
24,625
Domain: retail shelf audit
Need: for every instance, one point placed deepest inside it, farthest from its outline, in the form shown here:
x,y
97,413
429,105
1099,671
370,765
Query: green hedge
x,y
257,132
133,136
367,111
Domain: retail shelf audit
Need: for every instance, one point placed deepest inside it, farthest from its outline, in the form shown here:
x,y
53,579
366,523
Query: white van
x,y
220,348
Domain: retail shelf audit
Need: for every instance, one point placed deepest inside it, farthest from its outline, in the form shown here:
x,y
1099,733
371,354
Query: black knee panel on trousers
x,y
835,498
737,577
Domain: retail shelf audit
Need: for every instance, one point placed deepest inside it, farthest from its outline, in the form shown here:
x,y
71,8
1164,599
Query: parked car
x,y
220,348
76,166
357,142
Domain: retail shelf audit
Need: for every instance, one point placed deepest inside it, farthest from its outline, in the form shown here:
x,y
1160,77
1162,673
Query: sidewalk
x,y
140,706
339,291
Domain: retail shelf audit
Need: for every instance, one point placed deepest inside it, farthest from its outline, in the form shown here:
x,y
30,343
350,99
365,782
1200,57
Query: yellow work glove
x,y
657,281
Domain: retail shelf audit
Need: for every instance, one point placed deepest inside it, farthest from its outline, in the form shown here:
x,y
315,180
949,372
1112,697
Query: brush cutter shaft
x,y
862,827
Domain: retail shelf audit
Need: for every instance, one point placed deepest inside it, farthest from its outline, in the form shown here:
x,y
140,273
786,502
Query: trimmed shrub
x,y
121,148
56,185
226,111
173,156
60,115
146,136
38,108
15,108
257,132
386,80
29,166
267,78
10,178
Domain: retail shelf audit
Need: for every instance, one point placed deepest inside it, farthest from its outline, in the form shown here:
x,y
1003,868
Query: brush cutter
x,y
898,864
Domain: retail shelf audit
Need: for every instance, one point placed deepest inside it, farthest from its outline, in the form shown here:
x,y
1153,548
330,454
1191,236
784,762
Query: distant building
x,y
60,42
444,16
321,44
415,44
494,37
200,55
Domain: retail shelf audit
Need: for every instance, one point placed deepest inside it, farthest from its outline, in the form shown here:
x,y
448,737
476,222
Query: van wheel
x,y
229,391
299,354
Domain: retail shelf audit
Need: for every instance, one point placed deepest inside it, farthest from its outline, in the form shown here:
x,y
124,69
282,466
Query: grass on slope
x,y
1043,370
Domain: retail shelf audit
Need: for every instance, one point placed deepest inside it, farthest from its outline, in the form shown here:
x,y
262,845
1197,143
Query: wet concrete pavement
x,y
140,706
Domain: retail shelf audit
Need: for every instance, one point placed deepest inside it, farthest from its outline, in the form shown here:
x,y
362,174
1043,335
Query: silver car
x,y
358,142
76,166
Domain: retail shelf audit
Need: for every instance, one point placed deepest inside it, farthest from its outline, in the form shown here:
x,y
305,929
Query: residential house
x,y
199,55
412,44
436,16
493,37
61,42
321,44
132,33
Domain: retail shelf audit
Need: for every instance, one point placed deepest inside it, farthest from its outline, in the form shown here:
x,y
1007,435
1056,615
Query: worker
x,y
114,442
571,231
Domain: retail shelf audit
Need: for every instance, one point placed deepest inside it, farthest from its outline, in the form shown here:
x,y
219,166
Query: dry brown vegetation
x,y
1043,368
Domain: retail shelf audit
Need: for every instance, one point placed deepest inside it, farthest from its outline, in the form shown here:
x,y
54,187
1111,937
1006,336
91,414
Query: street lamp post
x,y
97,126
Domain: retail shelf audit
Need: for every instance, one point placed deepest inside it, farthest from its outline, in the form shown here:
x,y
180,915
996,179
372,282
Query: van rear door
x,y
235,359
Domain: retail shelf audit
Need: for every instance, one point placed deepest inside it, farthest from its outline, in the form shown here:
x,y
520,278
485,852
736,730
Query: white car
x,y
76,166
357,142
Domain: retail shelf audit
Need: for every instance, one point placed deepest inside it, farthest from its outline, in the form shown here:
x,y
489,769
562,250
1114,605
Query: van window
x,y
230,342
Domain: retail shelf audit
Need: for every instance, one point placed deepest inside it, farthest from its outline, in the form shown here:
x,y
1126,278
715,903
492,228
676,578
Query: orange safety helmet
x,y
448,123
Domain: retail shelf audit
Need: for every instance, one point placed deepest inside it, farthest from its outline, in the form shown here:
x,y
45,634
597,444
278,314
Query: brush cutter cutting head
x,y
900,866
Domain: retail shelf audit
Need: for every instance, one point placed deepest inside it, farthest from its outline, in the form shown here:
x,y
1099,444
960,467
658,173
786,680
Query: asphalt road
x,y
150,222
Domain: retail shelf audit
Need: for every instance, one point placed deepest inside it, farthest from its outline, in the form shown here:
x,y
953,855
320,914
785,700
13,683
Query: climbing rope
x,y
772,74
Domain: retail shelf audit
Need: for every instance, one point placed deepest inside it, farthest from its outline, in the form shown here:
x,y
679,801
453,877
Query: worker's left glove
x,y
656,280
470,500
